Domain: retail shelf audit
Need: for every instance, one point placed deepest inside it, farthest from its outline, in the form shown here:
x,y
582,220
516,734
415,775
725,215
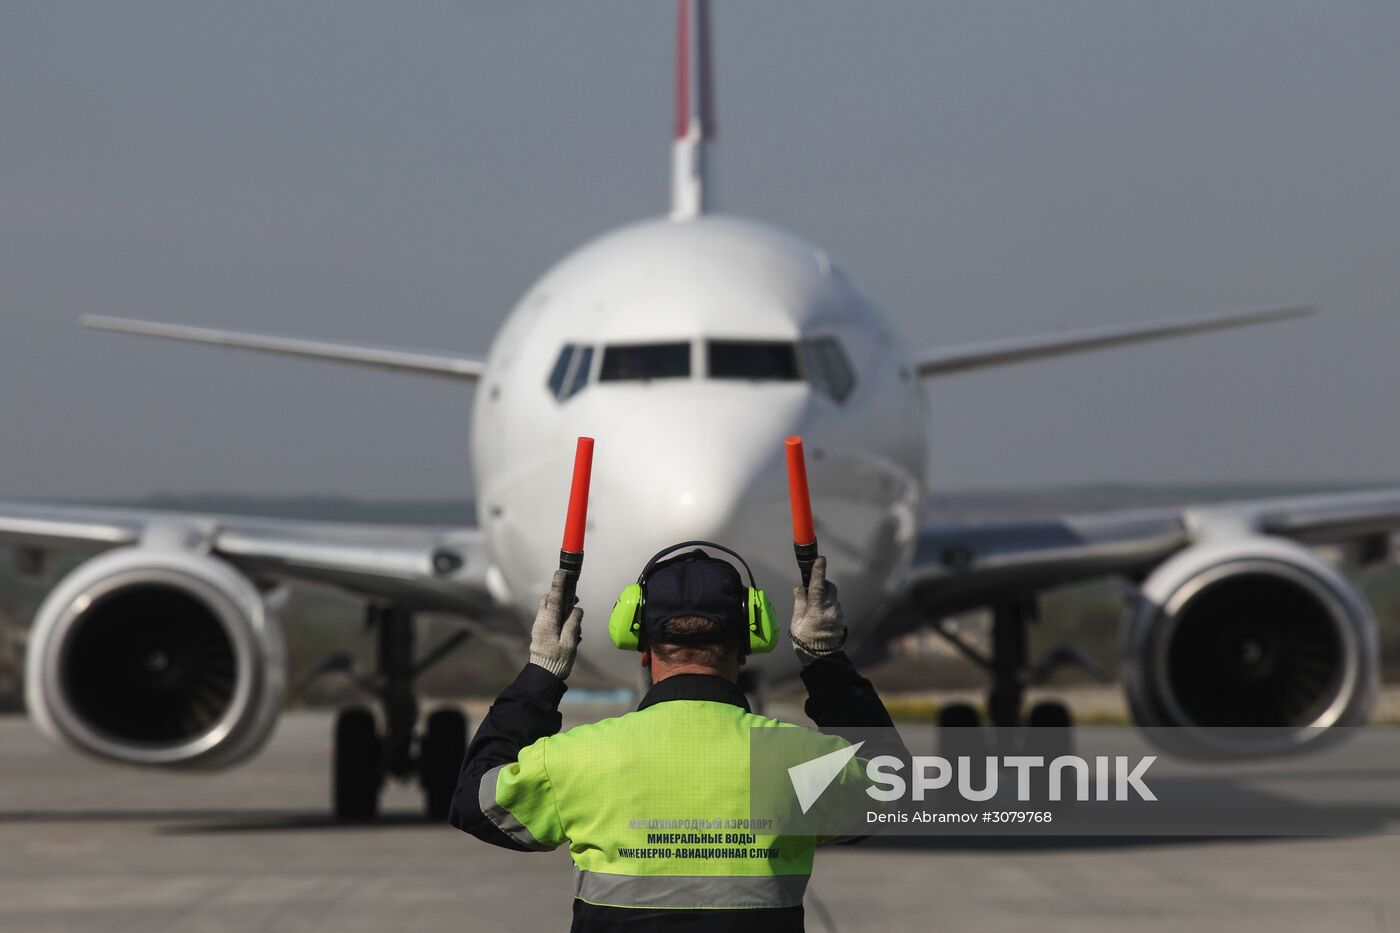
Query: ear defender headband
x,y
625,621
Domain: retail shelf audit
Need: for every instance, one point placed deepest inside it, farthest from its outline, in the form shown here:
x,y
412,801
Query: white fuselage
x,y
700,454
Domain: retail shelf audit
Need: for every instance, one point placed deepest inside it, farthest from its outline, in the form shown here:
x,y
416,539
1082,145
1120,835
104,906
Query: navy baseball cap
x,y
694,584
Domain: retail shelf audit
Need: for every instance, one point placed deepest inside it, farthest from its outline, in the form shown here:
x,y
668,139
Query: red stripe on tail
x,y
683,69
694,86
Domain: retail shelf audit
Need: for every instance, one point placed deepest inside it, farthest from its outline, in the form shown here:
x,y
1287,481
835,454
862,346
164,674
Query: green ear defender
x,y
625,620
763,625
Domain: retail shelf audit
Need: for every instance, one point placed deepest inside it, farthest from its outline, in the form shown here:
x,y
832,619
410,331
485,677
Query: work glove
x,y
553,637
818,626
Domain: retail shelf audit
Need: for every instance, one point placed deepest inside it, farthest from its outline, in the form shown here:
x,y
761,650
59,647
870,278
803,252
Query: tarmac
x,y
87,846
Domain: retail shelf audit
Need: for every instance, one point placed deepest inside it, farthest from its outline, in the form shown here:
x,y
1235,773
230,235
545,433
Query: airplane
x,y
690,346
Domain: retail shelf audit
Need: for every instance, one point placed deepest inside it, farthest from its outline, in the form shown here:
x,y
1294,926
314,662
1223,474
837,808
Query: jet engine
x,y
154,656
1248,647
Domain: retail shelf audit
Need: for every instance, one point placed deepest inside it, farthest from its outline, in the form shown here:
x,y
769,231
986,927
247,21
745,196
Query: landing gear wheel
x,y
960,734
960,731
959,716
356,776
1049,733
440,759
1052,714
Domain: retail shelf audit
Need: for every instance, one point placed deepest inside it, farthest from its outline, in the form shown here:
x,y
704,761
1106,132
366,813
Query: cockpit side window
x,y
645,361
569,376
827,367
752,359
560,370
583,362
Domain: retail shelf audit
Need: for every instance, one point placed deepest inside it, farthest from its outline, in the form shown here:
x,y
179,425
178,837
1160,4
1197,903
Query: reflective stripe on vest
x,y
679,892
502,818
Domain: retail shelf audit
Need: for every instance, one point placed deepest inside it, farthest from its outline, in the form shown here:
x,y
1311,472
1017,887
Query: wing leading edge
x,y
416,566
948,360
412,361
963,566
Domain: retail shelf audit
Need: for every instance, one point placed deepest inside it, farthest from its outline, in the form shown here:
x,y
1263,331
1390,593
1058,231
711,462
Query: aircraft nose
x,y
694,468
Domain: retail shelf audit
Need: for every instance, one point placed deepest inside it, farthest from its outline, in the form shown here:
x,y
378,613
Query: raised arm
x,y
837,695
503,793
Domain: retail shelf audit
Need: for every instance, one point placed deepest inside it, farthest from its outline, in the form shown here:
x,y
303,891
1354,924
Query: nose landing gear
x,y
365,757
1010,672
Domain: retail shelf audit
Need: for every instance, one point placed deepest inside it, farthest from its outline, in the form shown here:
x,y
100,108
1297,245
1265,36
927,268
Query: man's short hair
x,y
710,654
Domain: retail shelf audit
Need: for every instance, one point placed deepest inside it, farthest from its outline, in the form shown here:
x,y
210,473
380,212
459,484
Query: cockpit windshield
x,y
752,359
819,361
644,361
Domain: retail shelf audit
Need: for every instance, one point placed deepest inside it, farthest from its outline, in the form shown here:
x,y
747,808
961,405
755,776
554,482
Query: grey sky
x,y
400,172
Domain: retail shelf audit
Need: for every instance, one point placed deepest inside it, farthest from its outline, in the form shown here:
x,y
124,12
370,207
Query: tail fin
x,y
695,118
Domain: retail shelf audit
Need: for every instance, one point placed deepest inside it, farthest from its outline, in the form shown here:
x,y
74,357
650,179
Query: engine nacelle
x,y
154,656
1249,647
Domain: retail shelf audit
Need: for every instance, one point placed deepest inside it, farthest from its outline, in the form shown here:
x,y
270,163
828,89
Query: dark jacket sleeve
x,y
525,712
837,695
840,699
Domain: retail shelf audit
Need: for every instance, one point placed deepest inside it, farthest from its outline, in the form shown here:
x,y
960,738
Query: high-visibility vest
x,y
654,806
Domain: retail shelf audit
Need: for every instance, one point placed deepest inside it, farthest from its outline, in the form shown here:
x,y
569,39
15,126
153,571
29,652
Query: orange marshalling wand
x,y
571,551
804,531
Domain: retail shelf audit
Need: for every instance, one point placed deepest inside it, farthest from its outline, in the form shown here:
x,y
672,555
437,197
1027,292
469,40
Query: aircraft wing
x,y
956,359
963,566
417,566
397,360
